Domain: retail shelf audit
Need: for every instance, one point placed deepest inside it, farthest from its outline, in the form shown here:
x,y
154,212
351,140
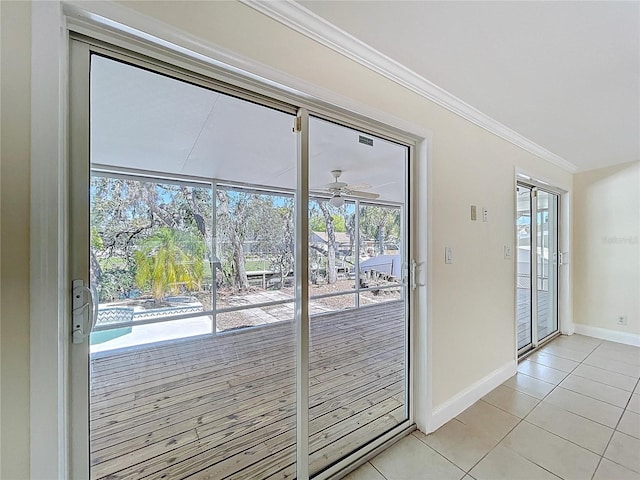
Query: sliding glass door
x,y
537,265
358,295
196,349
546,264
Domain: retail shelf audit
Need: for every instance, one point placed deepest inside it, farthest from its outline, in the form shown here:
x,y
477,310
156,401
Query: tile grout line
x,y
436,451
614,431
558,386
520,420
615,428
551,433
374,467
579,363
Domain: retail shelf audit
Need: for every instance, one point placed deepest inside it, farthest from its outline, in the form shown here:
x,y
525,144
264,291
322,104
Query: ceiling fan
x,y
339,190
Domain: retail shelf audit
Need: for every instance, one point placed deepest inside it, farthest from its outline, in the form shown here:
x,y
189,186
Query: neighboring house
x,y
319,240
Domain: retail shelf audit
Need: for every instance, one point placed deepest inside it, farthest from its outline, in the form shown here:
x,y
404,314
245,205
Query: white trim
x,y
565,280
467,397
303,21
48,296
608,334
422,314
118,20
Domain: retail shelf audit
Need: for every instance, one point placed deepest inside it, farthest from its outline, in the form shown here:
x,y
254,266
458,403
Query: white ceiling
x,y
566,75
145,121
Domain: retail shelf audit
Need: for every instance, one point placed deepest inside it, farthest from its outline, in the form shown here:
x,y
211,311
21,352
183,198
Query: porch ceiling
x,y
146,121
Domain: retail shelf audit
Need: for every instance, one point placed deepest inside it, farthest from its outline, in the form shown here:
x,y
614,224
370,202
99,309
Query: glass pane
x,y
150,259
318,305
357,364
332,243
380,261
201,395
252,317
523,267
546,258
255,247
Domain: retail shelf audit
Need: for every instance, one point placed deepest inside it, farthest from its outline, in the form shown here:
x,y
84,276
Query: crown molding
x,y
302,20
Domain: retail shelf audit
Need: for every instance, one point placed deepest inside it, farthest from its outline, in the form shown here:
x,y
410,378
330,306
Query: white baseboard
x,y
607,334
467,397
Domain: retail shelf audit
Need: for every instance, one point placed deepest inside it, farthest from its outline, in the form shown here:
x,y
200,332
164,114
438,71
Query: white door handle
x,y
414,265
81,327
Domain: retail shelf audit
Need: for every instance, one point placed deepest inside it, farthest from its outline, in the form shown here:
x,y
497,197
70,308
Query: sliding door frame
x,y
81,49
534,187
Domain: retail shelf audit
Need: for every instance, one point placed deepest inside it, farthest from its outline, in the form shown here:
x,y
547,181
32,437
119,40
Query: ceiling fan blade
x,y
335,185
359,186
357,193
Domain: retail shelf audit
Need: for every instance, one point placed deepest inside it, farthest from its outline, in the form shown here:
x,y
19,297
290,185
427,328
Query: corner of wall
x,y
606,252
470,395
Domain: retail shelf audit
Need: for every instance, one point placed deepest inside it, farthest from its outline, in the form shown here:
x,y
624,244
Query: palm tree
x,y
168,260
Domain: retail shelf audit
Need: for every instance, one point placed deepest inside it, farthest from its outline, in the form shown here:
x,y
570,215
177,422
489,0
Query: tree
x,y
233,222
332,273
381,224
281,240
169,260
124,213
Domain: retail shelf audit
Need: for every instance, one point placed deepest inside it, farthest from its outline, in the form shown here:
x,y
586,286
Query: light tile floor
x,y
571,412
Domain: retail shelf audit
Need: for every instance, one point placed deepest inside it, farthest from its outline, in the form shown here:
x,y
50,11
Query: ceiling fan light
x,y
337,200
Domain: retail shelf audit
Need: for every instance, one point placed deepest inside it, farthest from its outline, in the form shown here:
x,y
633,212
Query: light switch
x,y
507,252
474,215
448,255
485,214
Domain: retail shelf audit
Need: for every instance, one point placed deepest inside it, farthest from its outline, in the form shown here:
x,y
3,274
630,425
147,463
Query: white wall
x,y
606,254
14,204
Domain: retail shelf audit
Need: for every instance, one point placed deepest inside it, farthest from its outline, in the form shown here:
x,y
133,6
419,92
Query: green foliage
x,y
318,224
339,224
127,213
381,224
169,261
116,283
96,239
142,231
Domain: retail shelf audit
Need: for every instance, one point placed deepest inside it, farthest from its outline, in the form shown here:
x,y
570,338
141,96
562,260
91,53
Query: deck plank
x,y
523,316
224,406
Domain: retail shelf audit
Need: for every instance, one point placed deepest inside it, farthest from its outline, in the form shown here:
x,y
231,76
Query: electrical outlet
x,y
622,319
485,214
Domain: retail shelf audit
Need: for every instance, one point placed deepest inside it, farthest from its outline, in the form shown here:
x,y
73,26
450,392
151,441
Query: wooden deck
x,y
224,407
524,319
